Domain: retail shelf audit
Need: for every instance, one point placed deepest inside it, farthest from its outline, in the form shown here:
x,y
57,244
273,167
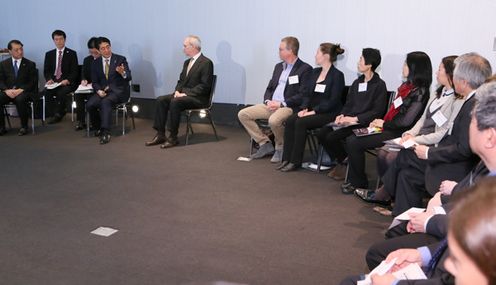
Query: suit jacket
x,y
27,76
449,109
452,159
198,83
70,68
87,68
116,83
293,93
330,100
438,224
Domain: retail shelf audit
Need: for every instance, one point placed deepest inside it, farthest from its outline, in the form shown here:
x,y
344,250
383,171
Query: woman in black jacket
x,y
366,100
403,113
320,105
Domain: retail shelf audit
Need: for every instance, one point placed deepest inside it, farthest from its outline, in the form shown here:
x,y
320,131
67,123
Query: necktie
x,y
436,256
191,61
16,68
107,68
58,72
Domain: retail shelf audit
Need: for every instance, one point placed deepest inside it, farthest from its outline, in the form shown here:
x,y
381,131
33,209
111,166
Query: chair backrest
x,y
212,91
391,95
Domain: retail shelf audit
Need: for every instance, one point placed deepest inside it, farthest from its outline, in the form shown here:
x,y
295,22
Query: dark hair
x,y
92,42
17,42
419,69
372,57
292,44
333,50
472,223
449,66
102,40
58,33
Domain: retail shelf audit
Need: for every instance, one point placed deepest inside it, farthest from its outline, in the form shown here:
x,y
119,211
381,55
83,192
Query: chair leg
x,y
87,123
347,172
43,118
320,157
132,119
213,125
124,117
72,107
32,117
7,116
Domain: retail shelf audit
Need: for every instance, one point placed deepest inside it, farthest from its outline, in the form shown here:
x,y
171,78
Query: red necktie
x,y
58,72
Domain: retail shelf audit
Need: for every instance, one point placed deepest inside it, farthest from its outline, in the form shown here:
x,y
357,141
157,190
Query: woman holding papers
x,y
406,109
320,105
366,100
437,119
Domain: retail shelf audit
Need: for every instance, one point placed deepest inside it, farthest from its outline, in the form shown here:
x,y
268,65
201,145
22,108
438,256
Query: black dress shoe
x,y
22,132
170,143
105,138
282,165
80,126
368,196
55,119
290,167
3,131
155,141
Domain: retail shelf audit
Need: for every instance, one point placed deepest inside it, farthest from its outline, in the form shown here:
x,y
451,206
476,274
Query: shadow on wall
x,y
342,64
392,74
143,71
231,77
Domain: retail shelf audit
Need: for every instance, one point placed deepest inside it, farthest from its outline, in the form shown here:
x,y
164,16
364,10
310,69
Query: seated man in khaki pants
x,y
282,97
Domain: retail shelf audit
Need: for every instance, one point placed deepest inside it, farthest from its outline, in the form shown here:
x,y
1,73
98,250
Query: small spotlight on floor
x,y
74,106
202,114
135,108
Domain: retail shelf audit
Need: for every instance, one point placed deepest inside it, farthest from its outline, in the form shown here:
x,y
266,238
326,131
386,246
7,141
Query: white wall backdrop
x,y
242,37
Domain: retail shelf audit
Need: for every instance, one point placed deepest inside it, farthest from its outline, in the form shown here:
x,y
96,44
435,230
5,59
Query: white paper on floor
x,y
242,158
104,231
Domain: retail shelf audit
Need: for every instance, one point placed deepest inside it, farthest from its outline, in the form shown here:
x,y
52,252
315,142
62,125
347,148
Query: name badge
x,y
439,118
398,102
362,87
293,80
320,88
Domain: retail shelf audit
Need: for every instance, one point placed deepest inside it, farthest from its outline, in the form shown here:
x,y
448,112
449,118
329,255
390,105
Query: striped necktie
x,y
58,72
16,68
107,68
435,257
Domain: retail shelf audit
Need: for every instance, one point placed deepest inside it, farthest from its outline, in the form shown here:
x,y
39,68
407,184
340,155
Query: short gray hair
x,y
472,68
485,107
194,41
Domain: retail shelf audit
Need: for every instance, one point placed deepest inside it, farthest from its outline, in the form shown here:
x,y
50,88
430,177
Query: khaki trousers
x,y
247,117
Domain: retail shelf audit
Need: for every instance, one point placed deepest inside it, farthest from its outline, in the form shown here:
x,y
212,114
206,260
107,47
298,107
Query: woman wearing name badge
x,y
437,119
406,109
319,107
366,100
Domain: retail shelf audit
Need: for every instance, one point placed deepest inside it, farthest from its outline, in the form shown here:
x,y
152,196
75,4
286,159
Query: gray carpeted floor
x,y
187,215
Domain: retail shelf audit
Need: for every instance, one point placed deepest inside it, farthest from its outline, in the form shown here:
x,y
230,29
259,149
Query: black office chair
x,y
205,110
125,108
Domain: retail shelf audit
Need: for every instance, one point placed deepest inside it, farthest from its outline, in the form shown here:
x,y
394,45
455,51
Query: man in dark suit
x,y
283,96
110,77
81,98
61,66
414,172
18,80
192,91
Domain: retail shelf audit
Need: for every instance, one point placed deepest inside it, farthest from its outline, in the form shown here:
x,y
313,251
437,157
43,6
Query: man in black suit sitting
x,y
17,84
61,66
192,91
110,75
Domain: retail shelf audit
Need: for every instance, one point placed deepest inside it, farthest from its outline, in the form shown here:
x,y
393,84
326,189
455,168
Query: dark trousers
x,y
168,104
333,143
59,96
81,100
405,181
295,135
384,159
356,147
21,102
380,250
100,110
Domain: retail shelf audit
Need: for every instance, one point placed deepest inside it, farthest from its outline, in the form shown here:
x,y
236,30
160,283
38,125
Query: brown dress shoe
x,y
339,172
170,143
